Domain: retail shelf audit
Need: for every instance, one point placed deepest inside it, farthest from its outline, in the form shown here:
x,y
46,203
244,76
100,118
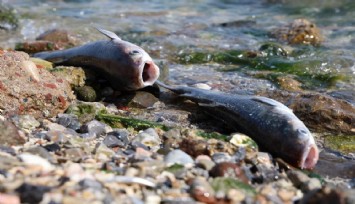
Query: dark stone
x,y
117,138
69,120
52,147
8,150
32,193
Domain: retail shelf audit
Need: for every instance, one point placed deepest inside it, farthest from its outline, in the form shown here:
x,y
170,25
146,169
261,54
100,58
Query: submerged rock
x,y
50,40
300,31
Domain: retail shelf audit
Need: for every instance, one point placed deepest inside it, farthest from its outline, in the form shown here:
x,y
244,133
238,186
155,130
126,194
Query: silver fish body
x,y
125,65
271,124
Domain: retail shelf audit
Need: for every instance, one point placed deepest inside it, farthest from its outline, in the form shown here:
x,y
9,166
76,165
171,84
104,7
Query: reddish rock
x,y
50,40
24,90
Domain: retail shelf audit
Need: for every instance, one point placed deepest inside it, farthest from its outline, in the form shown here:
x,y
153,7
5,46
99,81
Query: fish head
x,y
144,71
303,146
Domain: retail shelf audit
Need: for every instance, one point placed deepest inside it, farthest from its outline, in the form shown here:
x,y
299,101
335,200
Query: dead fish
x,y
271,124
125,65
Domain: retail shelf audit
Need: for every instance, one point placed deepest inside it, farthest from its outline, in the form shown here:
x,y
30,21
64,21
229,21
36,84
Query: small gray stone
x,y
69,120
178,157
221,157
95,127
90,184
117,138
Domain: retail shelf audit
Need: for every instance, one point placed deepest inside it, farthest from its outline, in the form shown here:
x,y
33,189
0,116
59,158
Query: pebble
x,y
36,161
31,69
202,86
26,122
117,138
178,157
10,134
69,121
42,152
149,138
228,169
202,191
205,162
221,157
94,127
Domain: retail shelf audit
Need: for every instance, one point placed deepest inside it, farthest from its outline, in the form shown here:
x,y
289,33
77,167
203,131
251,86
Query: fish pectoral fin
x,y
270,102
109,34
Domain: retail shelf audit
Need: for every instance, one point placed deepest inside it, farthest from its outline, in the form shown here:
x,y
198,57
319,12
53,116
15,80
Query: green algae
x,y
8,18
224,184
116,121
310,66
212,135
175,168
341,143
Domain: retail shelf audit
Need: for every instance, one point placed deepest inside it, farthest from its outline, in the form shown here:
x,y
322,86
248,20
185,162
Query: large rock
x,y
26,89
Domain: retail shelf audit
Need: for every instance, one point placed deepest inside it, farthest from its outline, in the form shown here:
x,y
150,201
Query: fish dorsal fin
x,y
109,34
270,102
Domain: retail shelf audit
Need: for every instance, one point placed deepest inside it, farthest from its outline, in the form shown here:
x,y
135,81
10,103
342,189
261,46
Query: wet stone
x,y
178,157
69,120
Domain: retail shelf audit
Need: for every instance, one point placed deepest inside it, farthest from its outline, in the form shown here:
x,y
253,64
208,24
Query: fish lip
x,y
149,73
310,156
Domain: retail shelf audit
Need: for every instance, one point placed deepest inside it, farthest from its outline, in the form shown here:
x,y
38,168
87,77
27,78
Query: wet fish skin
x,y
270,123
125,65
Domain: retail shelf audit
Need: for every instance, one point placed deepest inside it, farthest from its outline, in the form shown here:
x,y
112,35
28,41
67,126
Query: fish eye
x,y
134,52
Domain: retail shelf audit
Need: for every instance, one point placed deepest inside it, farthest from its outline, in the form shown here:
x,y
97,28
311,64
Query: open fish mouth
x,y
150,73
310,157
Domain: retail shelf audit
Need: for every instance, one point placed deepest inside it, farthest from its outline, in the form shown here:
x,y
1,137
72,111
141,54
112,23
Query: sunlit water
x,y
167,28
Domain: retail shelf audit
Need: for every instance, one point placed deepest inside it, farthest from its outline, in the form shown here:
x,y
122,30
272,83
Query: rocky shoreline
x,y
144,151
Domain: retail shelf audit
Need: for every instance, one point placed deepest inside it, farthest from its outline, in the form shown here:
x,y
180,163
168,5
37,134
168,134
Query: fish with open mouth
x,y
271,124
125,65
